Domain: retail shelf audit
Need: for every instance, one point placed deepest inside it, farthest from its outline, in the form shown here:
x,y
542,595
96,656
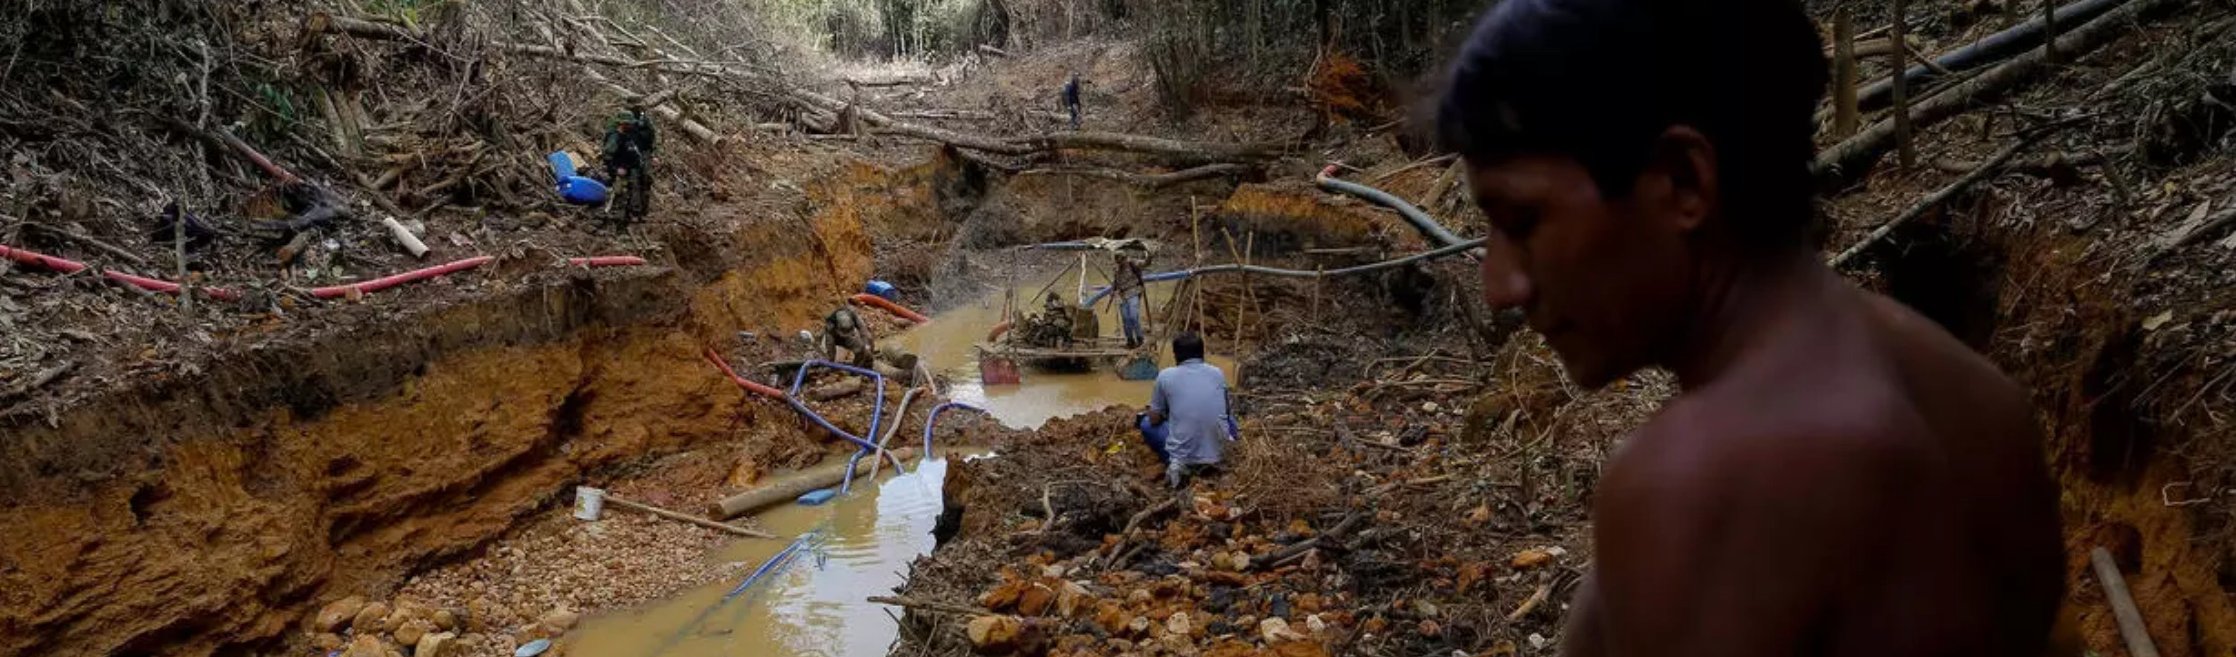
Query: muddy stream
x,y
815,602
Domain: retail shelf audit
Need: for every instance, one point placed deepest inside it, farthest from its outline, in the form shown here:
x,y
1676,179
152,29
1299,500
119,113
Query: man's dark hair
x,y
1187,346
1600,80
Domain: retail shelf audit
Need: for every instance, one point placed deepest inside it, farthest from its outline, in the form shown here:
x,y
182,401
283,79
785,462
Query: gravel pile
x,y
537,582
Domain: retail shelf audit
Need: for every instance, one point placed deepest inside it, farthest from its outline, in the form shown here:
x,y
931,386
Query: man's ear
x,y
1687,161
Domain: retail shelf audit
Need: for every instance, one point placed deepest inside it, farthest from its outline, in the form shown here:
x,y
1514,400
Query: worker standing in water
x,y
1071,99
1839,475
1188,423
843,329
1127,286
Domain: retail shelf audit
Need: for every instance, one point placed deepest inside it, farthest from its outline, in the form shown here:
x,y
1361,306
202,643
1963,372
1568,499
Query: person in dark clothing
x,y
626,153
843,329
1071,99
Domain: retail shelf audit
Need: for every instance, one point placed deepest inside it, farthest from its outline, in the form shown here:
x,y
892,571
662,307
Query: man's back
x,y
1192,396
1876,485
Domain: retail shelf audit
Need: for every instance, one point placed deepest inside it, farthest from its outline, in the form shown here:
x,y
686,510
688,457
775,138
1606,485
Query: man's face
x,y
1603,279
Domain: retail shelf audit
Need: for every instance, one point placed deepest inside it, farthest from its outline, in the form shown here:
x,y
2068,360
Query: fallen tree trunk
x,y
1934,200
786,490
1104,141
895,81
1994,48
1111,141
1151,181
667,111
1854,156
2043,165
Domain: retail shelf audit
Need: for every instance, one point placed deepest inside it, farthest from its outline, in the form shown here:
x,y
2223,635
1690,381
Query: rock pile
x,y
538,582
353,627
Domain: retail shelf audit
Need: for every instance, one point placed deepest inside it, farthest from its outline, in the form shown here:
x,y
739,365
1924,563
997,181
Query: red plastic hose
x,y
742,382
605,261
386,282
42,260
897,309
68,266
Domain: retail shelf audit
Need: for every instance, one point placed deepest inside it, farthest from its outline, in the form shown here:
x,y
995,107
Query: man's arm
x,y
1714,544
1158,405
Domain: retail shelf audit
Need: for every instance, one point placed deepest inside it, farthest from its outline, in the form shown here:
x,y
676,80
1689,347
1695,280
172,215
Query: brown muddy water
x,y
811,604
946,344
814,603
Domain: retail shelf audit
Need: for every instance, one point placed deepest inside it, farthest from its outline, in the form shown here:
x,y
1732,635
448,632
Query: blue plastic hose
x,y
767,566
847,485
877,412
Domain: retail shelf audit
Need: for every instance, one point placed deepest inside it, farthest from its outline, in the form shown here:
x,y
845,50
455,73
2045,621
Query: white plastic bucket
x,y
589,502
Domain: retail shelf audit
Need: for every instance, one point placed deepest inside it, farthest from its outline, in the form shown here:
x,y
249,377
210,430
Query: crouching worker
x,y
842,329
1188,423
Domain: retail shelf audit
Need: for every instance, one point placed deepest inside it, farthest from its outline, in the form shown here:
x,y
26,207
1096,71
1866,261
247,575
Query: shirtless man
x,y
1839,476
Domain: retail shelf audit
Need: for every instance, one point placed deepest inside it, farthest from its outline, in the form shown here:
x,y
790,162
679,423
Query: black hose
x,y
1996,47
1420,220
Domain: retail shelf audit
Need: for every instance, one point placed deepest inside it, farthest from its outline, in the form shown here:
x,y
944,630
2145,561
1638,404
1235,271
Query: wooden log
x,y
1103,141
1151,181
1934,200
1853,157
929,605
1906,151
2130,618
895,81
695,129
687,518
2042,165
104,247
990,50
1300,547
1535,598
40,380
2190,233
326,23
1845,115
791,488
1111,141
847,388
1989,50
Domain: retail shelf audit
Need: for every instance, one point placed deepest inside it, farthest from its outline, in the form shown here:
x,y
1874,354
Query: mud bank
x,y
205,514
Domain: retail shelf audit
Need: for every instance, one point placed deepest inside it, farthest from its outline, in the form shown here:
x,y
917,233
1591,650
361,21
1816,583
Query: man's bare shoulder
x,y
1948,366
1831,430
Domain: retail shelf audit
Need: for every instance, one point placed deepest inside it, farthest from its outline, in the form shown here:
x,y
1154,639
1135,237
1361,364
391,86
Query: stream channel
x,y
813,602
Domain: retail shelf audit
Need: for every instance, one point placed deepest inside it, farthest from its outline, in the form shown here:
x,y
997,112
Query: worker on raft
x,y
1055,322
1188,422
626,153
1839,475
843,329
1127,286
